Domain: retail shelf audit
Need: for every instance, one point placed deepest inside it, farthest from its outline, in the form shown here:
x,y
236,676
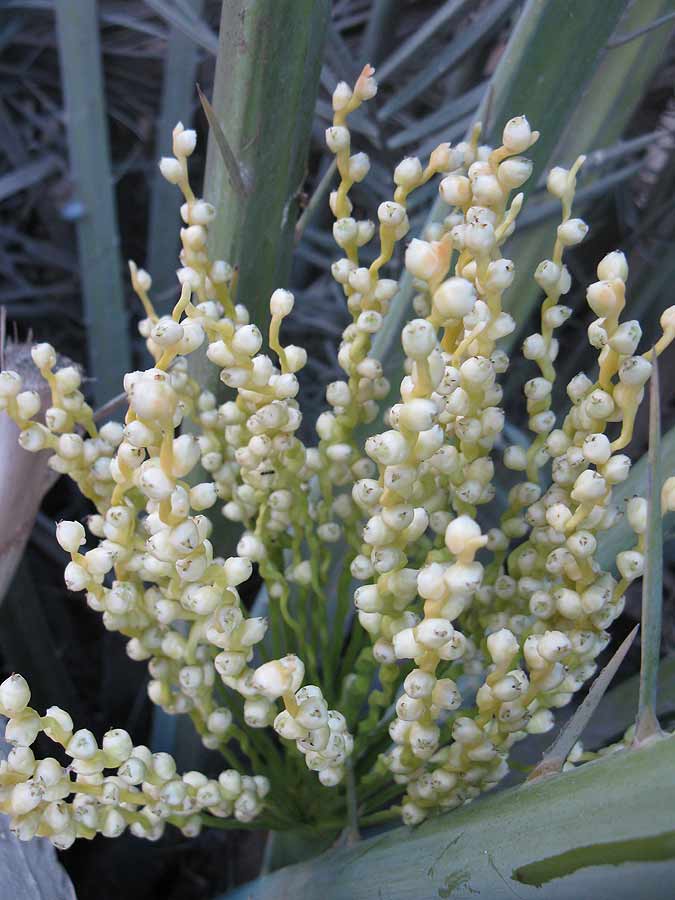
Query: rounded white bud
x,y
635,371
596,448
70,536
514,172
44,356
517,134
171,169
281,302
612,266
418,338
502,646
14,695
359,166
391,214
408,172
454,298
421,260
554,646
455,190
337,138
572,232
341,96
185,142
557,181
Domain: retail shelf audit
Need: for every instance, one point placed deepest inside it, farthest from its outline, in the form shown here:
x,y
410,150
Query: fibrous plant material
x,y
25,481
522,606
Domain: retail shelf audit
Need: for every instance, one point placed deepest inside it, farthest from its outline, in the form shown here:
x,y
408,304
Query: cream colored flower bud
x,y
341,96
391,214
515,458
82,745
337,138
558,515
537,389
155,483
596,448
70,536
412,814
454,298
418,338
247,340
366,86
556,316
287,727
194,237
517,135
167,332
98,561
10,384
572,232
221,272
281,302
257,712
202,213
25,797
667,320
502,646
359,166
117,745
408,708
534,347
443,158
626,338
500,274
479,238
630,564
408,172
616,469
554,646
612,266
486,190
461,532
422,260
668,495
171,169
419,683
433,633
446,694
603,299
588,487
272,679
14,695
636,513
76,577
44,356
203,496
153,400
345,231
455,190
557,181
635,371
582,544
514,172
28,404
547,274
185,142
312,713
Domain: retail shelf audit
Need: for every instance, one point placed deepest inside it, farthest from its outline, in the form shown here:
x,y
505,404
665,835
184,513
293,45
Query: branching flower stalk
x,y
524,606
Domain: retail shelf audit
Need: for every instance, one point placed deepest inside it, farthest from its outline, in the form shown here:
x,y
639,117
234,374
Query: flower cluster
x,y
145,792
453,582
